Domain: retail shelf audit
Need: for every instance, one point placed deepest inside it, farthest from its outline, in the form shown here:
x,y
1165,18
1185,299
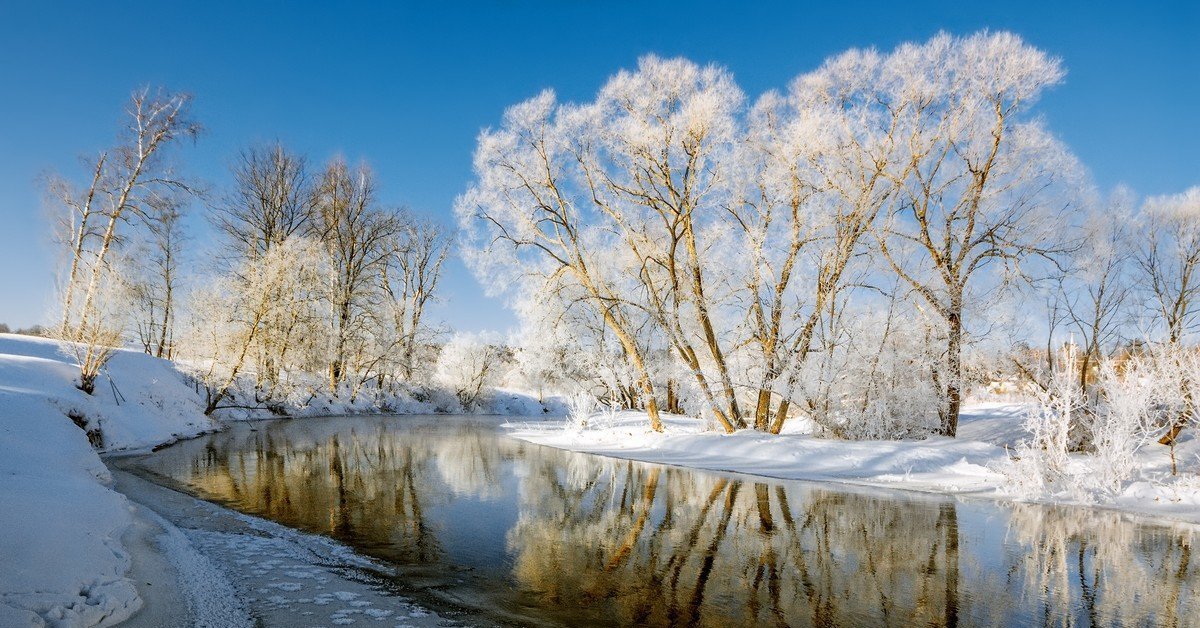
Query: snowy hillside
x,y
63,561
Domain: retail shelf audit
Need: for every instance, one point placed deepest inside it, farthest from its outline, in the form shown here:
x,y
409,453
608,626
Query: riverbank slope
x,y
70,541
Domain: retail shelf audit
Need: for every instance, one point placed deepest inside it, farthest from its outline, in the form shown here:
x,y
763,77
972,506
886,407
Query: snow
x,y
65,527
64,562
974,463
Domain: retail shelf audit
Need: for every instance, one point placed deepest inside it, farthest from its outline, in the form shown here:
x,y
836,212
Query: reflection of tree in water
x,y
369,484
1090,567
660,546
599,539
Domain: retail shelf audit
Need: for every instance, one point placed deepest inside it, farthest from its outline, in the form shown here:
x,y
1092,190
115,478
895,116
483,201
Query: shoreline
x,y
234,570
658,449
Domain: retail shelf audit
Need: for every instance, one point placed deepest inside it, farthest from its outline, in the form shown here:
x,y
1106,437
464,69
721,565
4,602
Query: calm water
x,y
509,532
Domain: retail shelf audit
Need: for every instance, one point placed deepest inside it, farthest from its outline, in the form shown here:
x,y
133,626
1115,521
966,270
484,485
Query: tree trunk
x,y
953,375
780,416
762,411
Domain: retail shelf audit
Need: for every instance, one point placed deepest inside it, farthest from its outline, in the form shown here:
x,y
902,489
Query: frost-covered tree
x,y
1096,285
736,237
159,277
1169,261
409,280
1169,270
817,170
527,221
127,182
231,317
984,184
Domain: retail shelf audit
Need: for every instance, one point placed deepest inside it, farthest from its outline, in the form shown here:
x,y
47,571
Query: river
x,y
499,531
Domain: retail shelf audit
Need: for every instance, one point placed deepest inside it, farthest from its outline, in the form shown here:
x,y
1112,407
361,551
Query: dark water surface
x,y
515,533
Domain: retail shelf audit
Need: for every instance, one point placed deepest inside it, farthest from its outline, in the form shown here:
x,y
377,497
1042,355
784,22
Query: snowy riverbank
x,y
73,543
62,523
974,463
69,537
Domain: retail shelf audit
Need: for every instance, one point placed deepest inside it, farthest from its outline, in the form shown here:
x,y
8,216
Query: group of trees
x,y
836,251
848,252
730,250
320,280
315,284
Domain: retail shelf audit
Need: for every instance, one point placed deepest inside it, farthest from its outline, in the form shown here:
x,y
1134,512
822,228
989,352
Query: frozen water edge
x,y
235,570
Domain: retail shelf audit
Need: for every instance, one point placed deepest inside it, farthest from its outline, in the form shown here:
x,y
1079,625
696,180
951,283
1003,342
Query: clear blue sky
x,y
408,86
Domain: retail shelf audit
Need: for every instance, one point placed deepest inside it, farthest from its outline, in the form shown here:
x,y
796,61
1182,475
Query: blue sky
x,y
408,86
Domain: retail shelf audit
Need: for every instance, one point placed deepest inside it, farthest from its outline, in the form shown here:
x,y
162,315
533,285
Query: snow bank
x,y
60,524
61,558
975,462
935,464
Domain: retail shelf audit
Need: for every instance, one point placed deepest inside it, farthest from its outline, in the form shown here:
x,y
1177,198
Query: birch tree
x,y
126,180
158,291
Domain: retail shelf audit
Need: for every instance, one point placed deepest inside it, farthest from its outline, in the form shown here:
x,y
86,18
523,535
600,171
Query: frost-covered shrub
x,y
580,407
470,365
873,381
1128,419
1133,403
1042,459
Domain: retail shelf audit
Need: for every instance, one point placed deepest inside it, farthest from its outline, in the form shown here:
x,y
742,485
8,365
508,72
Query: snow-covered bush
x,y
1133,403
470,365
1042,459
873,380
1128,419
580,408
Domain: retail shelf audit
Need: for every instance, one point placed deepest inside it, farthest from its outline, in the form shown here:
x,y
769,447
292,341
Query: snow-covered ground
x,y
61,523
973,463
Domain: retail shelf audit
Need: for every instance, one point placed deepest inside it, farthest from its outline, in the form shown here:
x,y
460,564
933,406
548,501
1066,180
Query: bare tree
x,y
272,201
127,181
357,235
410,280
157,292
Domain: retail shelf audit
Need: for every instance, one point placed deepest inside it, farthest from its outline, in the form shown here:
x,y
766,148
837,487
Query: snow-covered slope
x,y
61,561
61,558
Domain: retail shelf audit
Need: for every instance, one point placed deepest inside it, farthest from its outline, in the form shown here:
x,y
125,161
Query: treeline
x,y
855,251
314,283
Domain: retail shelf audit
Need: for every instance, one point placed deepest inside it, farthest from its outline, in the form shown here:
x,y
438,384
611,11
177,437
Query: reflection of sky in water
x,y
477,536
527,533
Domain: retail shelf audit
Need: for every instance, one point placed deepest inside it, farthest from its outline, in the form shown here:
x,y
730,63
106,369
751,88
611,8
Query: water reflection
x,y
529,534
